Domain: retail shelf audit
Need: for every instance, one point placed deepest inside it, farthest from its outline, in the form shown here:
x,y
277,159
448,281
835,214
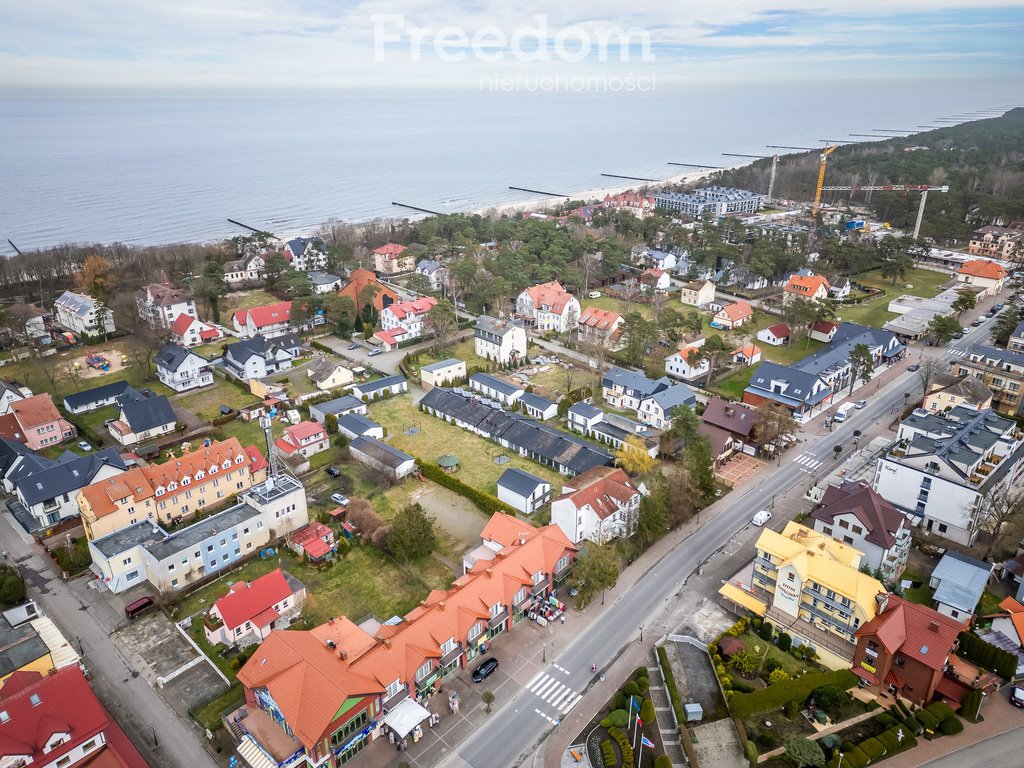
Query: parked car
x,y
340,499
594,295
1017,696
762,517
860,404
977,322
998,307
914,367
84,445
485,669
354,345
958,335
374,352
966,330
333,471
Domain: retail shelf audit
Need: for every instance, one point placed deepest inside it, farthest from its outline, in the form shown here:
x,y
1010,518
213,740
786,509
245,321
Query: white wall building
x,y
550,307
182,370
82,315
522,491
599,505
503,341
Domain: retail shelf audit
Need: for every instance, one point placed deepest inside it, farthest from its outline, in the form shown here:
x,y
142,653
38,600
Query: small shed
x,y
448,463
693,712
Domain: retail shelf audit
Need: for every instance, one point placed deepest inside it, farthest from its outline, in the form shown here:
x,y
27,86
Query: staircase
x,y
666,719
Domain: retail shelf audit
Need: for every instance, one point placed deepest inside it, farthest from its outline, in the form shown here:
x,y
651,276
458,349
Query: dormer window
x,y
239,459
226,464
160,490
200,475
213,470
186,480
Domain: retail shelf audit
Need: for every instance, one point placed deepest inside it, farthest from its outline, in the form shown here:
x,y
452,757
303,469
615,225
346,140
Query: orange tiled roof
x,y
390,249
983,268
357,282
549,294
806,286
738,311
601,319
599,488
1016,612
269,314
749,351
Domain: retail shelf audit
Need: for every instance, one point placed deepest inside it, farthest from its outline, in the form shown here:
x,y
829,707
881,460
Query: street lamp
x,y
156,742
641,633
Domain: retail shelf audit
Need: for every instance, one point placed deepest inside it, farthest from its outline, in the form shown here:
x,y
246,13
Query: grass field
x,y
437,438
244,300
625,307
206,403
925,282
732,386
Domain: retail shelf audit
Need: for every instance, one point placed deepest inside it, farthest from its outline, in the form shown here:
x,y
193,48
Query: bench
x,y
576,755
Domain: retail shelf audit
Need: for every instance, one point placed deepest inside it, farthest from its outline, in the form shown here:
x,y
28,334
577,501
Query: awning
x,y
406,716
893,678
951,689
863,674
731,592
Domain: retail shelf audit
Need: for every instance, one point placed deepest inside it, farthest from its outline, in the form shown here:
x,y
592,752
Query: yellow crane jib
x,y
821,176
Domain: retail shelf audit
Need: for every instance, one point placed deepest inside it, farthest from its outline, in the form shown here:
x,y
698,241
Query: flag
x,y
639,721
633,703
645,742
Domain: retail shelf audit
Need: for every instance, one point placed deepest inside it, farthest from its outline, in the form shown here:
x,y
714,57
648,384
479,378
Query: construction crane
x,y
924,189
821,176
775,167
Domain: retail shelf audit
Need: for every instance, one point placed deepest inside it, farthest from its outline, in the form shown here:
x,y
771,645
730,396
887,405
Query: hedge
x,y
743,705
951,725
663,761
872,748
856,758
913,725
884,718
482,501
670,683
941,710
927,720
750,752
971,705
987,655
619,718
890,741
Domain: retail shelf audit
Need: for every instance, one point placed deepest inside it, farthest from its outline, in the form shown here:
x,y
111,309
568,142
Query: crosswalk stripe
x,y
572,703
542,689
535,678
554,693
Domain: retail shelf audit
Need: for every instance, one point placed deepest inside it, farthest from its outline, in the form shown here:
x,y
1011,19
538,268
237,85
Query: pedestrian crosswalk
x,y
958,352
557,695
807,462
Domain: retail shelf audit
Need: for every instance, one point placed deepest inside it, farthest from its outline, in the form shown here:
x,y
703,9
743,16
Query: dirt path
x,y
453,513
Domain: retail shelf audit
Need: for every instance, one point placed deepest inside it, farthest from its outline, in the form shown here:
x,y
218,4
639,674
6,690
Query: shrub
x,y
608,753
785,642
765,631
670,684
951,725
771,664
745,704
856,758
890,741
912,725
620,701
941,710
987,655
829,697
622,739
740,687
884,718
631,689
619,718
778,676
643,684
971,704
647,711
766,739
791,708
485,502
606,723
640,672
872,748
749,751
928,721
663,761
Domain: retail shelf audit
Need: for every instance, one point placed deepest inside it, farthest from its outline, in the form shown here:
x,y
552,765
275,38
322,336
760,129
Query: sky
x,y
70,46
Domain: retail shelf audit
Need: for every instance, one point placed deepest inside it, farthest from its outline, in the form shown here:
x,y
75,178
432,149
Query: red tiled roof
x,y
209,334
824,326
880,518
915,631
391,337
983,268
779,330
738,311
316,548
550,294
1016,615
313,532
265,617
247,600
390,249
182,324
306,429
34,411
599,488
358,281
601,319
404,309
268,314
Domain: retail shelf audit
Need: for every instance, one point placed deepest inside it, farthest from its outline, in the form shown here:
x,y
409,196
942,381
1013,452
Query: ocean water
x,y
160,170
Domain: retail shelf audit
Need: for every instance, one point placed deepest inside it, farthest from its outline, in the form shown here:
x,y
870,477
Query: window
x,y
843,524
858,530
790,576
89,745
538,577
34,698
424,670
475,630
66,760
394,689
520,596
209,547
496,610
449,646
825,529
943,528
174,582
562,563
170,567
848,540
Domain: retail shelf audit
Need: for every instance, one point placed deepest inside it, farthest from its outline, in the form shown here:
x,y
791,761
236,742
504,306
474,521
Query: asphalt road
x,y
1002,751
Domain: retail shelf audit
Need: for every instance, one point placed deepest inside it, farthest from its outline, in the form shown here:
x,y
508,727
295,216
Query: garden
x,y
624,727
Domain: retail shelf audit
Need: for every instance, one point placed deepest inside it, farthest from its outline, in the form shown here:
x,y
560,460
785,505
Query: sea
x,y
164,169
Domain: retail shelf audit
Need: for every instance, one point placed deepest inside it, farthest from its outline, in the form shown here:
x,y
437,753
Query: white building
x,y
251,610
405,320
502,341
259,357
494,388
434,271
443,373
181,369
549,307
522,491
82,315
189,331
160,305
270,320
657,408
244,271
306,254
716,201
598,505
10,393
382,457
678,365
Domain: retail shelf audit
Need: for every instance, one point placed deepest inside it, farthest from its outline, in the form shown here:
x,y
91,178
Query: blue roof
x,y
356,424
962,580
634,381
669,398
586,410
536,401
96,395
385,383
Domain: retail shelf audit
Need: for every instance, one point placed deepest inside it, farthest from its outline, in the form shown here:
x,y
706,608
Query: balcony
x,y
452,655
394,701
497,620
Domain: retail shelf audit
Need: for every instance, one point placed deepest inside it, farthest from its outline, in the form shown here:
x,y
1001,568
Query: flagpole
x,y
636,731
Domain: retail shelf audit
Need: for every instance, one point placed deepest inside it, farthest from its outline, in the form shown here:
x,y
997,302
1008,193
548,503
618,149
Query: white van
x,y
843,411
762,517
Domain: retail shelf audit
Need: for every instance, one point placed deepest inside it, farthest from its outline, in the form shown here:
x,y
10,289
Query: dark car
x,y
333,472
484,670
958,335
1017,696
914,367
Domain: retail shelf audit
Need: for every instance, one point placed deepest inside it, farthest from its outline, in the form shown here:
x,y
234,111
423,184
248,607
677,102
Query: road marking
x,y
806,462
546,717
553,692
563,670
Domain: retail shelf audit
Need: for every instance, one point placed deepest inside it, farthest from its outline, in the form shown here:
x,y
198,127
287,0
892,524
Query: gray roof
x,y
19,646
586,410
171,356
442,364
427,266
322,278
379,384
201,531
339,405
634,382
96,394
9,451
76,303
962,581
836,354
672,397
536,401
143,532
69,473
1019,330
519,481
495,326
300,244
380,451
995,353
493,382
261,346
356,424
323,369
142,413
800,389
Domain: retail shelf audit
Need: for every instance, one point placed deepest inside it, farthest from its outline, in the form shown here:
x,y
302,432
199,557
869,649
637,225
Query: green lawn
x,y
206,403
732,386
246,300
209,714
625,307
792,665
926,282
437,438
921,595
463,350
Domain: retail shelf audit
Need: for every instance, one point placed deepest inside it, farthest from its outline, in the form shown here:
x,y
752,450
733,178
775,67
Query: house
x,y
364,288
698,293
733,316
307,438
324,282
983,274
832,365
549,307
625,389
657,409
329,374
375,390
46,490
946,393
96,398
260,356
29,325
838,287
82,315
943,468
812,585
170,492
639,205
245,271
823,331
182,370
737,419
747,279
1001,370
494,388
746,355
859,517
393,259
380,456
434,271
302,687
145,552
190,331
714,201
338,407
1008,627
538,407
315,544
352,425
722,444
523,491
11,391
583,417
56,721
443,373
142,417
776,335
38,422
959,582
160,305
503,341
810,288
599,505
404,320
655,279
996,242
251,609
306,254
904,650
1016,340
269,320
599,326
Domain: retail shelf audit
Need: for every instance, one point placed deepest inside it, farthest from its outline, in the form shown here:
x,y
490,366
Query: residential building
x,y
626,390
314,543
823,331
599,326
983,274
714,201
1016,340
352,425
338,407
38,422
654,279
523,491
503,341
1008,628
698,293
811,288
548,307
639,205
746,355
269,320
663,260
745,278
393,259
599,505
31,644
324,282
959,582
656,410
46,489
56,721
259,357
364,288
538,407
160,305
801,392
171,492
404,320
244,271
942,469
142,417
583,417
10,392
382,457
96,398
856,515
252,609
375,390
997,242
738,420
82,315
946,393
313,697
1001,370
839,287
189,331
30,325
722,444
306,254
443,373
434,271
307,438
181,369
172,561
496,389
904,650
329,374
733,316
811,586
775,335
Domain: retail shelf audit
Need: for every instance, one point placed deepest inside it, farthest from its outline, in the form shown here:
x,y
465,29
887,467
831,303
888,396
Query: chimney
x,y
934,627
489,572
882,598
522,539
387,643
440,604
343,654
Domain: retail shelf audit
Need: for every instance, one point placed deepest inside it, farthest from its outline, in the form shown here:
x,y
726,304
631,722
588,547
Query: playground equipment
x,y
98,362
